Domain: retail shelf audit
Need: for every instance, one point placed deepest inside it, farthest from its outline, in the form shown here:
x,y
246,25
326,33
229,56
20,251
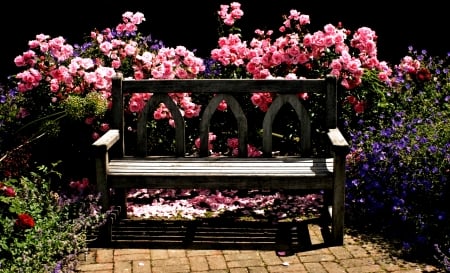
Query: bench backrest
x,y
223,89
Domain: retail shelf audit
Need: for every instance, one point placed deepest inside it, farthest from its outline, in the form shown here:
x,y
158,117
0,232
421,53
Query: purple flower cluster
x,y
399,168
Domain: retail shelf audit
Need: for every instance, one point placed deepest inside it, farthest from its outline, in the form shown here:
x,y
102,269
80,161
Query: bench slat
x,y
243,168
176,181
219,173
212,168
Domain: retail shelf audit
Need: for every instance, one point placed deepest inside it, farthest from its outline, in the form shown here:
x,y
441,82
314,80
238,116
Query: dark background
x,y
194,23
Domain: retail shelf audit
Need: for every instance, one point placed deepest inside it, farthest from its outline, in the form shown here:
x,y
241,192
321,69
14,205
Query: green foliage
x,y
92,105
58,227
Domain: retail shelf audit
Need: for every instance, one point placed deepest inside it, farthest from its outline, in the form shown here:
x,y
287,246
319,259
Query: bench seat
x,y
242,173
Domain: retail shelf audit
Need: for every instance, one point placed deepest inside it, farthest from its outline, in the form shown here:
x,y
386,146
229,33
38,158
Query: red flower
x,y
7,191
25,221
359,107
303,95
352,99
423,75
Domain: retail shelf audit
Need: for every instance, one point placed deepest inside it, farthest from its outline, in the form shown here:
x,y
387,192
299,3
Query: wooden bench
x,y
117,170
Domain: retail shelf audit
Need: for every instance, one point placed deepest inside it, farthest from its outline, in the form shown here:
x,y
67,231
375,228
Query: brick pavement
x,y
357,255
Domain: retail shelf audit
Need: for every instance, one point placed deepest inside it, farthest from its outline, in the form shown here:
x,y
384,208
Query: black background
x,y
194,23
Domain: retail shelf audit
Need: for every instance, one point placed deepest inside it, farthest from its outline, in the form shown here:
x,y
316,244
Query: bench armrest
x,y
106,141
101,153
338,143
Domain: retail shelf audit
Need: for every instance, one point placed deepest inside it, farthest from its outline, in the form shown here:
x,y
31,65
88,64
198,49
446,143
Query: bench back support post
x,y
118,115
331,102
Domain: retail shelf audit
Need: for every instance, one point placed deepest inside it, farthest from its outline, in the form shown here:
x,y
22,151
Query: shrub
x,y
398,169
43,229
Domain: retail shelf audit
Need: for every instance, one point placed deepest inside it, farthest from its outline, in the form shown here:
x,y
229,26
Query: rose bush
x,y
63,77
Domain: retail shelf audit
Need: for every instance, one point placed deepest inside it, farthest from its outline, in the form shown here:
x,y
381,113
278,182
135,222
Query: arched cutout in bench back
x,y
155,100
302,115
238,114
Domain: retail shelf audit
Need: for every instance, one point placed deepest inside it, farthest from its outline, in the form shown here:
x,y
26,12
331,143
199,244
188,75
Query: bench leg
x,y
105,233
104,195
337,221
338,203
120,200
101,181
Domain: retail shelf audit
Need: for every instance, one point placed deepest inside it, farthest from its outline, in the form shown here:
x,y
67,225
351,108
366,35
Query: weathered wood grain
x,y
115,169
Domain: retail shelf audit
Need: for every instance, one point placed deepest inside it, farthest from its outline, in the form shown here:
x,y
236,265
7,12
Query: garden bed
x,y
254,205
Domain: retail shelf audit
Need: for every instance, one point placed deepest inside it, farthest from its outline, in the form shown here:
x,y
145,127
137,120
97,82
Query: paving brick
x,y
244,263
100,271
202,252
214,271
245,255
298,268
141,266
122,267
270,258
87,257
333,267
131,251
315,268
317,258
216,262
159,254
357,251
88,268
230,252
314,252
356,262
340,252
171,269
412,271
238,270
257,269
365,269
131,257
198,263
104,256
174,253
290,260
170,262
389,265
